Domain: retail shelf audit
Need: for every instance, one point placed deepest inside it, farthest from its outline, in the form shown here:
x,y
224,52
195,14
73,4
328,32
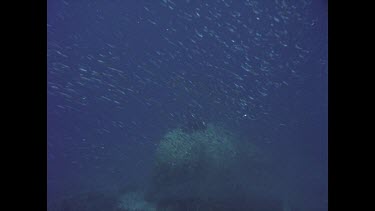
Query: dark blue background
x,y
121,73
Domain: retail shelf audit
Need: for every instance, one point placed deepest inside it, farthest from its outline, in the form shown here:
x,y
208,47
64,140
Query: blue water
x,y
121,74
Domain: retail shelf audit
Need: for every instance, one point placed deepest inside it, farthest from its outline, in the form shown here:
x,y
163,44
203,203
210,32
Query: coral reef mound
x,y
199,164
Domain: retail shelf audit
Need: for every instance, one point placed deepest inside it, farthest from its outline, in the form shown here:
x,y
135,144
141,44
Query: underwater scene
x,y
187,105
